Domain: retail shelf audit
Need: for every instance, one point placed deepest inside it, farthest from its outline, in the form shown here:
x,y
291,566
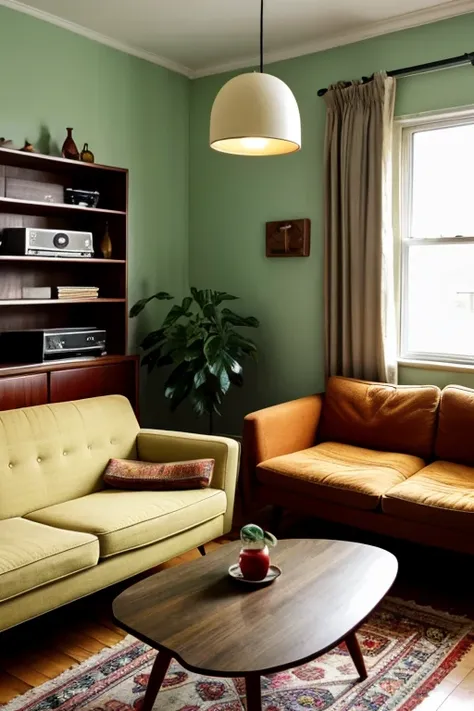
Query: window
x,y
437,230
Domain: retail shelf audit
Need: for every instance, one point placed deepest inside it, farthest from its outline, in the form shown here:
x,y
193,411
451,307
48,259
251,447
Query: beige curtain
x,y
359,302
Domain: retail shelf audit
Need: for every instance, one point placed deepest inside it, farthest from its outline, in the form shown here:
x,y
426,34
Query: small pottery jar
x,y
86,155
69,149
254,559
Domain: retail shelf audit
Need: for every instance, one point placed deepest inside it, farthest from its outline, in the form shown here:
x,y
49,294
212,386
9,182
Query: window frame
x,y
407,127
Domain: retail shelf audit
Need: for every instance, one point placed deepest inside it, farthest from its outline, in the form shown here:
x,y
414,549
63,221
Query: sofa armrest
x,y
274,431
167,446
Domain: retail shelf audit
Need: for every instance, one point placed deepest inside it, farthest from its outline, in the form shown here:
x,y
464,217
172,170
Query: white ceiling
x,y
199,37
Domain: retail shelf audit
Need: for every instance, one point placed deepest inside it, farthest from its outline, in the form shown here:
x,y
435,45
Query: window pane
x,y
443,182
440,299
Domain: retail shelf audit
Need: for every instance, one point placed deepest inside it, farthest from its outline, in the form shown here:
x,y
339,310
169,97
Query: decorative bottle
x,y
106,243
69,149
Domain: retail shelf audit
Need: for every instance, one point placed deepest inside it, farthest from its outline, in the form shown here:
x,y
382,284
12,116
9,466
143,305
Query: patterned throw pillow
x,y
155,476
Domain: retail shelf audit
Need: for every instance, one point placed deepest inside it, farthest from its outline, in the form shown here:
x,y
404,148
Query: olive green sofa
x,y
63,534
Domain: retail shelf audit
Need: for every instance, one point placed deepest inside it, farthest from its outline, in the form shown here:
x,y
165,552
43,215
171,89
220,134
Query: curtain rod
x,y
460,61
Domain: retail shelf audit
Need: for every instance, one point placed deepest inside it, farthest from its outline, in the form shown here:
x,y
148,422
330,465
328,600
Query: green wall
x,y
231,198
133,114
197,216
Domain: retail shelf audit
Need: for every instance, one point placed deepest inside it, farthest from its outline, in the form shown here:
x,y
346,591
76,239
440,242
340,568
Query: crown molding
x,y
443,11
98,37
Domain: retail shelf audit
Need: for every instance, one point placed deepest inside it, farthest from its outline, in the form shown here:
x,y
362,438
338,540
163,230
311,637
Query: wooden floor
x,y
38,651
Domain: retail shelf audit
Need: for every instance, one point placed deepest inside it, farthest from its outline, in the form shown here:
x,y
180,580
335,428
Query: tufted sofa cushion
x,y
124,520
32,555
53,453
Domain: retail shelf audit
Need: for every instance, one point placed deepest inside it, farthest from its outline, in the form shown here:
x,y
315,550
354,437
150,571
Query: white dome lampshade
x,y
255,114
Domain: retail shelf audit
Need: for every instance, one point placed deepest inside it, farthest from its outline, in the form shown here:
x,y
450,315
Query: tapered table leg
x,y
158,673
352,644
254,692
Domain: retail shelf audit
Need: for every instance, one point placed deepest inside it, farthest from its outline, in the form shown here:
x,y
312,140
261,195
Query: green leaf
x,y
198,296
240,345
200,378
200,403
153,339
209,311
220,296
212,348
174,314
231,363
178,385
154,359
217,365
224,381
186,303
245,344
176,375
229,316
140,305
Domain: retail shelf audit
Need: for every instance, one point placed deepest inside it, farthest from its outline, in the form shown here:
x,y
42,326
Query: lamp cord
x,y
261,37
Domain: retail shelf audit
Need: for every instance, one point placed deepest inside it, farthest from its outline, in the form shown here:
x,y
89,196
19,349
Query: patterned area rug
x,y
408,650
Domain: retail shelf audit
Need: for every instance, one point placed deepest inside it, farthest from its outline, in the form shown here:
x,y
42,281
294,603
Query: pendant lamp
x,y
255,114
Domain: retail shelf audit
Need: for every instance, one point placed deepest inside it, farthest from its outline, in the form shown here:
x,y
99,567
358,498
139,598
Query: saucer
x,y
274,572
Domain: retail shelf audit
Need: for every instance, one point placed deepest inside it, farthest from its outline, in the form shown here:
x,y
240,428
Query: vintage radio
x,y
46,344
32,241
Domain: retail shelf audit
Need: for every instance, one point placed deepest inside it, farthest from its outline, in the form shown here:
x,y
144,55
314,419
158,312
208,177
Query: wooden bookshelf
x,y
31,195
43,209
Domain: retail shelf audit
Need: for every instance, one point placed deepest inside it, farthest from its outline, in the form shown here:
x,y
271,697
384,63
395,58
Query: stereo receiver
x,y
32,241
42,345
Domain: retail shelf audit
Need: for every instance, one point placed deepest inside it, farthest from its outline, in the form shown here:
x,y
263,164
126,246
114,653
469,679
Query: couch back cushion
x,y
391,418
53,453
455,435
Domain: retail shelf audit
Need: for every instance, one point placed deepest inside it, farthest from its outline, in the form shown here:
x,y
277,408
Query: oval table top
x,y
216,625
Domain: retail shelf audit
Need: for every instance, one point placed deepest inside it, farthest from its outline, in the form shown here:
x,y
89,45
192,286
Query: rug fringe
x,y
52,685
428,608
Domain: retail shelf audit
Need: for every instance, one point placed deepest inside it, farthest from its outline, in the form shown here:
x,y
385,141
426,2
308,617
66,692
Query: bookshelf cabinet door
x,y
79,383
23,391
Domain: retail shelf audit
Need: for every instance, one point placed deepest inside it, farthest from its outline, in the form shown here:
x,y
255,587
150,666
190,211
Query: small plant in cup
x,y
254,559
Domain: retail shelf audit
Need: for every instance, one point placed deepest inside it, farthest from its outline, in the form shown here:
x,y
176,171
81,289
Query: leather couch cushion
x,y
454,437
32,555
54,453
441,494
341,473
124,520
391,418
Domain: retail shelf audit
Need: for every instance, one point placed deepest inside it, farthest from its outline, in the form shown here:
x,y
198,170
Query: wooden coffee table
x,y
217,626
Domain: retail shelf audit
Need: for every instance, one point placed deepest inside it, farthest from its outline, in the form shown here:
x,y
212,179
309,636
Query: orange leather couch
x,y
397,460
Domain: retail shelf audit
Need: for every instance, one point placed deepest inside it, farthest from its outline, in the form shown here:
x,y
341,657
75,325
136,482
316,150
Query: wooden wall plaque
x,y
288,238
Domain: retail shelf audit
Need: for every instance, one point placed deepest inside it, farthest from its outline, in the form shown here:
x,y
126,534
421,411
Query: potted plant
x,y
201,340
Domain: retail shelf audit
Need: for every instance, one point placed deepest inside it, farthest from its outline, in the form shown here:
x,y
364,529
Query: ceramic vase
x,y
86,155
69,149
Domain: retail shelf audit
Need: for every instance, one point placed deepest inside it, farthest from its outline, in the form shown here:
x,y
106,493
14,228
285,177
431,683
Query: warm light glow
x,y
254,144
255,114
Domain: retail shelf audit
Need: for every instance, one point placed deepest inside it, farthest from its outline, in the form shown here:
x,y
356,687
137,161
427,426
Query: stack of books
x,y
78,292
